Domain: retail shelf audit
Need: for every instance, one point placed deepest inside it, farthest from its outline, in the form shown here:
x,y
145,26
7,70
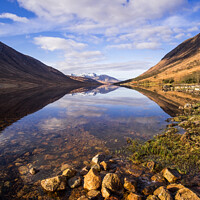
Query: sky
x,y
120,38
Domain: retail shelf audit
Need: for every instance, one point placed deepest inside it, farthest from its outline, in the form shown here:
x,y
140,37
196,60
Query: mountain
x,y
181,65
17,69
105,79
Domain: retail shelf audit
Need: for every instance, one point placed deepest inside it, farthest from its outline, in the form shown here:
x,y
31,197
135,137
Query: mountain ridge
x,y
18,69
180,65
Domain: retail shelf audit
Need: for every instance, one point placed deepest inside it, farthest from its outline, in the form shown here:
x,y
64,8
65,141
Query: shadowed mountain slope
x,y
17,69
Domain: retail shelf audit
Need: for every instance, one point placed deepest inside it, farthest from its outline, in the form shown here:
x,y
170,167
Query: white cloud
x,y
147,45
56,43
14,17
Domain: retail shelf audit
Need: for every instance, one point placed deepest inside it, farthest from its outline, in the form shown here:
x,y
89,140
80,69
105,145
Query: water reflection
x,y
70,130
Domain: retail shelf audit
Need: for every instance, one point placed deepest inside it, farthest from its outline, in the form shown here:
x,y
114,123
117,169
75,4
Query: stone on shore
x,y
94,194
186,194
112,182
171,175
105,192
130,184
152,197
70,172
54,184
163,193
74,181
98,158
133,196
92,180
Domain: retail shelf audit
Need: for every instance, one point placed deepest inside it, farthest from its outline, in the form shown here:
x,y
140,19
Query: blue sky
x,y
121,38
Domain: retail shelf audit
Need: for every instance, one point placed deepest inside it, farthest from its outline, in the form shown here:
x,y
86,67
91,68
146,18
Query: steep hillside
x,y
17,69
181,65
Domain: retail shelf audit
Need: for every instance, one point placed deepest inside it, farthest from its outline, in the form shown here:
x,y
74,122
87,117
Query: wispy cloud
x,y
14,17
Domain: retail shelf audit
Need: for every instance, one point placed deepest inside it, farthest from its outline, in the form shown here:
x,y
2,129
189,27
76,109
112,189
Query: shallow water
x,y
72,130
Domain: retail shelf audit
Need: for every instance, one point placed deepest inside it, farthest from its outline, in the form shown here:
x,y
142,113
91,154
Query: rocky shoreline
x,y
114,179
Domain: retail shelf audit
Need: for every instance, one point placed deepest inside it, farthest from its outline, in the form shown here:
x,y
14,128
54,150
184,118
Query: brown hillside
x,y
182,64
19,70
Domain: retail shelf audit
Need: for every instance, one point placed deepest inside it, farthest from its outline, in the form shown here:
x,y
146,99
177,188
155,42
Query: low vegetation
x,y
172,149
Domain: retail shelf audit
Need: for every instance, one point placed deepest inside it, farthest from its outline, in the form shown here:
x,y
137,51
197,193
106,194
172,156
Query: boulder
x,y
112,182
130,184
74,181
186,194
163,193
173,188
92,180
98,158
94,194
171,174
54,184
70,172
133,196
96,167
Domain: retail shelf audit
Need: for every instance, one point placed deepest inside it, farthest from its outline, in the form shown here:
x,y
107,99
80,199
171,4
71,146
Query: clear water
x,y
74,128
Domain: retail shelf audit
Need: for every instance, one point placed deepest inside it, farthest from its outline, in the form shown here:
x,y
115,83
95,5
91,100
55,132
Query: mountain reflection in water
x,y
69,126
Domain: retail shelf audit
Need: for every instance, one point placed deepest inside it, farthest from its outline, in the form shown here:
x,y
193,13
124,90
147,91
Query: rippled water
x,y
74,128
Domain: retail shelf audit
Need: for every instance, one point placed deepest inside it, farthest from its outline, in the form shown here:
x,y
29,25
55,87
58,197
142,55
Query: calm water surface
x,y
74,128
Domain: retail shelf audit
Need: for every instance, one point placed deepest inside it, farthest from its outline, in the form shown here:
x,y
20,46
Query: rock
x,y
186,194
92,180
32,171
105,165
151,165
98,158
173,188
74,181
112,182
23,170
152,197
171,174
105,192
83,198
133,196
94,194
158,178
163,193
84,171
130,184
187,106
96,167
65,166
70,172
54,184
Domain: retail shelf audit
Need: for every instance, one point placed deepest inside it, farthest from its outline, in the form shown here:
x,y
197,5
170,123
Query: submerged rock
x,y
54,184
92,180
23,170
33,171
